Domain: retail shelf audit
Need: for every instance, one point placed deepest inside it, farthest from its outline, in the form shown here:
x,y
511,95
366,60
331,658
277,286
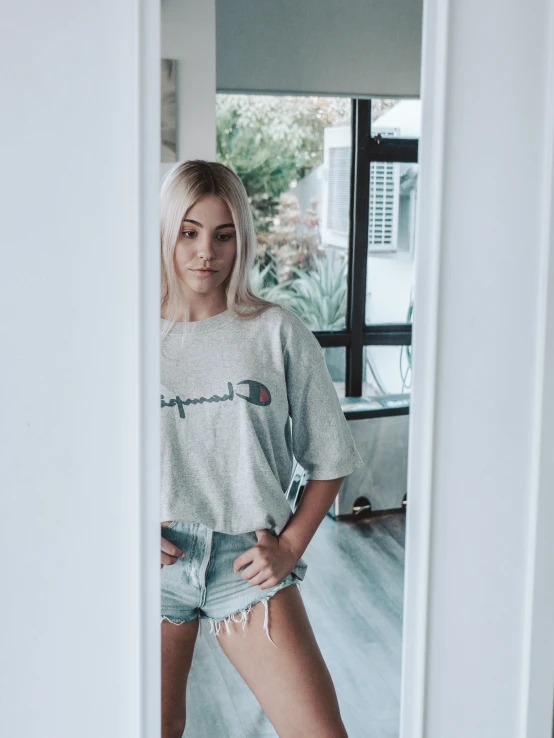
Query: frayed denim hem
x,y
176,622
216,623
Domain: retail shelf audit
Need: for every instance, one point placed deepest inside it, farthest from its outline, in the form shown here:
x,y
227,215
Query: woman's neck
x,y
199,309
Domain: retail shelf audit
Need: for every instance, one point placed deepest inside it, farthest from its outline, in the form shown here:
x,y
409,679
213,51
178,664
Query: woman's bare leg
x,y
177,649
289,679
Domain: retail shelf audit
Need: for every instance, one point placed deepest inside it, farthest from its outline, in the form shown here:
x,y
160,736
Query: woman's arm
x,y
316,499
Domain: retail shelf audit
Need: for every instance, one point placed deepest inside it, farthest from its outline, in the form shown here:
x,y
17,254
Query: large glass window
x,y
390,261
335,358
332,184
400,118
387,370
392,215
293,155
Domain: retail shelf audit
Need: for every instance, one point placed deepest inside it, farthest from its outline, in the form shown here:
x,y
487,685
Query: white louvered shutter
x,y
338,192
337,154
384,198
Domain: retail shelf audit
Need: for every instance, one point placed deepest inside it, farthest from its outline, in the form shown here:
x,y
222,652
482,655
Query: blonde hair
x,y
182,186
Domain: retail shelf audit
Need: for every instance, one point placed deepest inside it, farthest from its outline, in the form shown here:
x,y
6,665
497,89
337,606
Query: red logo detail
x,y
264,397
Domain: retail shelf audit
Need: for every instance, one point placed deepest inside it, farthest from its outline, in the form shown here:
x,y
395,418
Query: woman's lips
x,y
204,272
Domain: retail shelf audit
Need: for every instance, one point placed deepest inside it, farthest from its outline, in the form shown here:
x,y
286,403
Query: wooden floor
x,y
360,565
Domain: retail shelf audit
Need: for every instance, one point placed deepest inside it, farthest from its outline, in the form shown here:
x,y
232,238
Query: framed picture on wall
x,y
169,111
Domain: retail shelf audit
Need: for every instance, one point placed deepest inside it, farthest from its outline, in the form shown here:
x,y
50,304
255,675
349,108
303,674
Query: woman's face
x,y
207,240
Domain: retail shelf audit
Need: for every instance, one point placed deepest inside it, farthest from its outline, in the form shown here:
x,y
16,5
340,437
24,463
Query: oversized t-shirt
x,y
239,398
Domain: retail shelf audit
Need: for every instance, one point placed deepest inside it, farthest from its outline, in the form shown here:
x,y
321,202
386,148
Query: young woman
x,y
244,388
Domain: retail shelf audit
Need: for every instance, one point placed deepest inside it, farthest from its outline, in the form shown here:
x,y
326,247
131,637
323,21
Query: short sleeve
x,y
321,438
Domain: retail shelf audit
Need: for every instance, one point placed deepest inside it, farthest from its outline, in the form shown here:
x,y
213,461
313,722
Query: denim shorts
x,y
202,585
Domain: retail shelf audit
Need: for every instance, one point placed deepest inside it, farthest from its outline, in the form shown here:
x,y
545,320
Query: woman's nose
x,y
205,247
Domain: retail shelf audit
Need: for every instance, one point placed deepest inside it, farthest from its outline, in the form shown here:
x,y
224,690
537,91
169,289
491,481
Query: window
x,y
333,187
387,370
293,154
392,213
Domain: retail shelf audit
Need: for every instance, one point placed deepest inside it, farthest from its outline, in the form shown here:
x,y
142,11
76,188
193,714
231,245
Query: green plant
x,y
272,140
293,239
317,296
320,294
264,283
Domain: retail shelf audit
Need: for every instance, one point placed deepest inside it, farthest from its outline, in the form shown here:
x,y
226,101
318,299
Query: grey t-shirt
x,y
227,441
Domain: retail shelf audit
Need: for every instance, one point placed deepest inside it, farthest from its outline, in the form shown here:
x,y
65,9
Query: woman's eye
x,y
224,237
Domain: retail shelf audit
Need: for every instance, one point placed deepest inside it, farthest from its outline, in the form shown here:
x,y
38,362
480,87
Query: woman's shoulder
x,y
284,322
297,338
268,315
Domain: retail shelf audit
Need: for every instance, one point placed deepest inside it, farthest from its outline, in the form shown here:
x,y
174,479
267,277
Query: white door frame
x,y
148,285
532,714
424,341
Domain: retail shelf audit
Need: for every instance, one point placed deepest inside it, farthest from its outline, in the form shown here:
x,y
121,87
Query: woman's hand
x,y
170,553
272,560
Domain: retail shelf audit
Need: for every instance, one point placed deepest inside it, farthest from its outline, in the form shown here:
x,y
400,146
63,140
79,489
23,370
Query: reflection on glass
x,y
293,154
387,370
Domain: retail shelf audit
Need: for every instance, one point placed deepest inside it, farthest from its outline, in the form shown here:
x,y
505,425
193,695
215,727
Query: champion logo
x,y
258,394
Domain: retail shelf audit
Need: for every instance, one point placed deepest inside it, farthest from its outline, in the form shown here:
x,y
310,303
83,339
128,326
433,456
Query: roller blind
x,y
357,48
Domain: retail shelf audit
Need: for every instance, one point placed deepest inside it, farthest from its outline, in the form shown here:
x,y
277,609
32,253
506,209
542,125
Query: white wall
x,y
188,34
481,471
79,299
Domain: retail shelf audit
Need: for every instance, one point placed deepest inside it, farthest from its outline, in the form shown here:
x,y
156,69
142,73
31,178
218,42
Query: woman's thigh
x,y
178,641
289,679
180,625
